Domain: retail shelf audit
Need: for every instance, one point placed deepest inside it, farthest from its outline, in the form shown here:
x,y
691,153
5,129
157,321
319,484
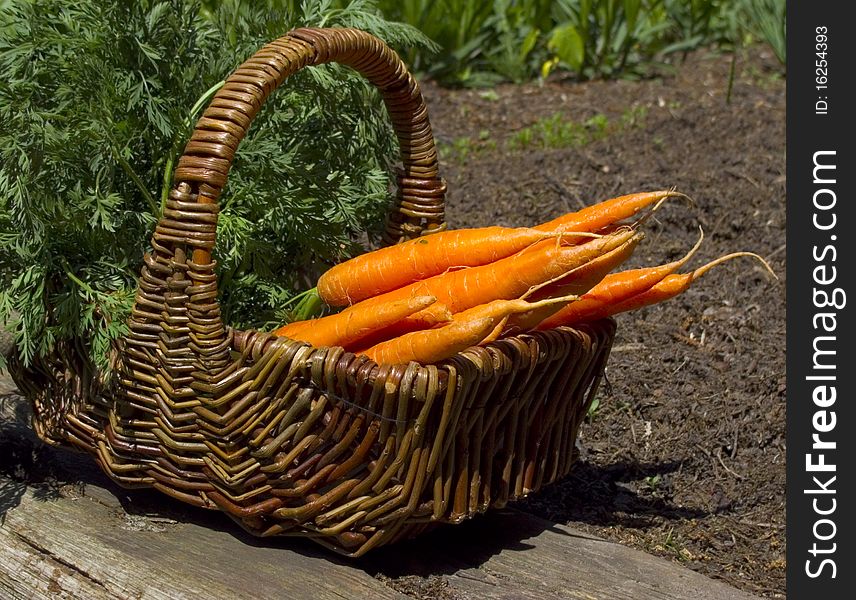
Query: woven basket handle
x,y
176,312
208,156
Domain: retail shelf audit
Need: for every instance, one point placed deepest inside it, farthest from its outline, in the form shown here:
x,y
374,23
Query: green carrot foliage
x,y
95,101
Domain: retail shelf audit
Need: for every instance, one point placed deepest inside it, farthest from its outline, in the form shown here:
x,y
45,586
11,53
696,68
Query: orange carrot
x,y
478,325
502,310
293,328
393,267
431,345
580,280
614,288
508,278
667,287
603,214
350,326
575,283
434,315
672,285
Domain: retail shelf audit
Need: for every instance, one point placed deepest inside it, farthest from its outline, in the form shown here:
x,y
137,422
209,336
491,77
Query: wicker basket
x,y
293,440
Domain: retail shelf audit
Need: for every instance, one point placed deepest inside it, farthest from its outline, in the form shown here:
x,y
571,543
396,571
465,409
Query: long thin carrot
x,y
603,214
393,267
478,325
576,283
437,314
616,287
677,283
431,345
580,280
350,326
506,279
502,310
667,287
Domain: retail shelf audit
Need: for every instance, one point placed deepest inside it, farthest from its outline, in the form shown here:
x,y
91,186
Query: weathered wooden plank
x,y
126,557
513,555
103,540
29,573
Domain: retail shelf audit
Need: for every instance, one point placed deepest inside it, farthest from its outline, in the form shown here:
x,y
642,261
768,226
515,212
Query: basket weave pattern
x,y
317,442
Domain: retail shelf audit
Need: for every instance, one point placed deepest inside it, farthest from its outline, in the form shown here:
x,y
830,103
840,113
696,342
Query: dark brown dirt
x,y
684,456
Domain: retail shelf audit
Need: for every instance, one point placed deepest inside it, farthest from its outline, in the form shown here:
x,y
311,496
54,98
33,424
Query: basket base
x,y
317,443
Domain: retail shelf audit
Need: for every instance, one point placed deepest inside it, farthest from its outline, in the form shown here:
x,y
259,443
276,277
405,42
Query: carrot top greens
x,y
96,101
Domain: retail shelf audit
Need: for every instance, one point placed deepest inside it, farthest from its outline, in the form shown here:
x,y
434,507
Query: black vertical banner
x,y
821,286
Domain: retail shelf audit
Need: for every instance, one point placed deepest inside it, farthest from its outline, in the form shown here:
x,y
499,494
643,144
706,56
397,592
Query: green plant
x,y
522,139
463,148
553,132
592,409
483,42
695,22
480,42
633,116
550,132
652,482
512,51
766,20
598,37
557,131
95,102
455,26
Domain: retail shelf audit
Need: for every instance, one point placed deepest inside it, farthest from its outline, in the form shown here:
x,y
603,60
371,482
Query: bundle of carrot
x,y
429,298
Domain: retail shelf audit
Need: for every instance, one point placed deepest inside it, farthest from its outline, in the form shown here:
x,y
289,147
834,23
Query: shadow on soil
x,y
627,494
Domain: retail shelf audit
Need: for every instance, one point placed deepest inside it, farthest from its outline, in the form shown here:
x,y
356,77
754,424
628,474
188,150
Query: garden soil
x,y
684,454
